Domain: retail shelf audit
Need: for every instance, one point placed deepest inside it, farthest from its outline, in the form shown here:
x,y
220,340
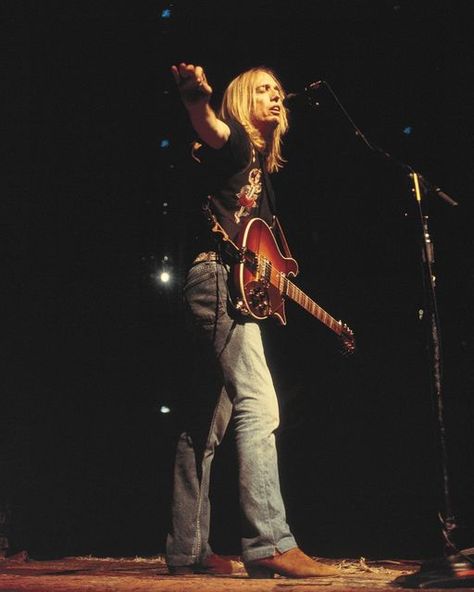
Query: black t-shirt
x,y
236,183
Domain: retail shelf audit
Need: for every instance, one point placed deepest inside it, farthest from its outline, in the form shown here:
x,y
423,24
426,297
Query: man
x,y
238,148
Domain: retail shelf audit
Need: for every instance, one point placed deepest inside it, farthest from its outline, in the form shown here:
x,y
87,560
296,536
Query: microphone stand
x,y
457,568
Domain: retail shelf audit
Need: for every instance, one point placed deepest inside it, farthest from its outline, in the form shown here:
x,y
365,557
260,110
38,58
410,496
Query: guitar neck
x,y
292,291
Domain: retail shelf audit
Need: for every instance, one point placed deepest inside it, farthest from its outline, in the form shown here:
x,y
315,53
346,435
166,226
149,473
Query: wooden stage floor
x,y
90,574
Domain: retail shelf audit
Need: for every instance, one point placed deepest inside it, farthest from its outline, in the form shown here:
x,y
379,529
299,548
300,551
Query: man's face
x,y
268,107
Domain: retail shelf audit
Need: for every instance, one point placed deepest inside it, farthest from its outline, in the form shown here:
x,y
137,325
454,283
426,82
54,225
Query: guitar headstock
x,y
348,340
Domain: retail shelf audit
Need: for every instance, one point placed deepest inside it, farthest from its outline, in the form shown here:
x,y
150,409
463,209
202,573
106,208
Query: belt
x,y
209,256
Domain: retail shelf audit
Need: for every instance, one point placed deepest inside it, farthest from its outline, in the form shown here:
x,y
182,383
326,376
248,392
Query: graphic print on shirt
x,y
248,194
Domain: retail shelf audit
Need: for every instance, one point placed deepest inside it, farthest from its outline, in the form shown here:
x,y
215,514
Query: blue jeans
x,y
233,382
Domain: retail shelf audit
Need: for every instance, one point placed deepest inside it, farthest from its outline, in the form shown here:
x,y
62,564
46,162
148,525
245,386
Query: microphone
x,y
438,191
306,96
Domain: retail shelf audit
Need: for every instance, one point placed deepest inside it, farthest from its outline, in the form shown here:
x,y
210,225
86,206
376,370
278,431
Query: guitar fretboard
x,y
287,288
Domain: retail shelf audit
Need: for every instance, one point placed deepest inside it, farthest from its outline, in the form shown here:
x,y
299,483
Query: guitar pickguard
x,y
258,298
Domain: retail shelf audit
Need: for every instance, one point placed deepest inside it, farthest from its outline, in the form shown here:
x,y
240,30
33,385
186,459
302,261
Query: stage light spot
x,y
165,409
408,130
165,277
166,13
164,143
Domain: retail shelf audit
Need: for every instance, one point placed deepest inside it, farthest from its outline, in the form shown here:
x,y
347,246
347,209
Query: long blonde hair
x,y
238,103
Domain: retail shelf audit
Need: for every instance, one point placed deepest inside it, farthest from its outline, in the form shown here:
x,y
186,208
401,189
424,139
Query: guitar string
x,y
296,293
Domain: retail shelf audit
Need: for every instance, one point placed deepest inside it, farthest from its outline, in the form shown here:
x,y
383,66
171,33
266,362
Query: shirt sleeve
x,y
233,156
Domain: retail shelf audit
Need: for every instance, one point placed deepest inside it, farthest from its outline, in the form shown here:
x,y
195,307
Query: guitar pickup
x,y
250,259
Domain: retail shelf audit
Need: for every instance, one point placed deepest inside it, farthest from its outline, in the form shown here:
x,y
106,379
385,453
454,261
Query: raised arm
x,y
195,93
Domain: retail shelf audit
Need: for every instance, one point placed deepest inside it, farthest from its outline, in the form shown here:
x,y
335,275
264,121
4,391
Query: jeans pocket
x,y
205,292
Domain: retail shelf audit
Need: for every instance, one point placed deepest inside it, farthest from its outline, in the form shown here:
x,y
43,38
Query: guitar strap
x,y
223,239
280,235
267,183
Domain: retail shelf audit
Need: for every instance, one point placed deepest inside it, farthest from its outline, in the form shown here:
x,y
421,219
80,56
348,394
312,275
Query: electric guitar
x,y
261,278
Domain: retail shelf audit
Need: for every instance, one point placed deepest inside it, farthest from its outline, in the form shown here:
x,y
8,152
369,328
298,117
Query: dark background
x,y
93,343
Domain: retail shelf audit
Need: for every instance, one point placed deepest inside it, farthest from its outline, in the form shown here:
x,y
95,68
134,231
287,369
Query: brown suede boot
x,y
212,564
291,564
